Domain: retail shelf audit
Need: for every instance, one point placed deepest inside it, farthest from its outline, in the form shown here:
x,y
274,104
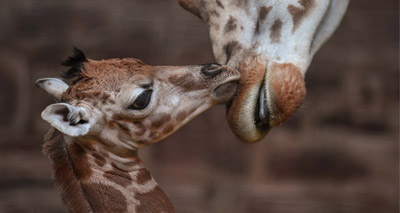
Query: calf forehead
x,y
100,78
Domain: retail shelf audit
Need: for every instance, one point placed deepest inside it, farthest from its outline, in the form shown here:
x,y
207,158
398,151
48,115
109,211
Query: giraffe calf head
x,y
127,103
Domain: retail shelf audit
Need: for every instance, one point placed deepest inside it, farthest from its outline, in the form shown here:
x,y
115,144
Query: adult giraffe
x,y
271,43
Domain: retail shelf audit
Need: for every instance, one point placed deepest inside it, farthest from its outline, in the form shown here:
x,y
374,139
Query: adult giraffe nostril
x,y
211,70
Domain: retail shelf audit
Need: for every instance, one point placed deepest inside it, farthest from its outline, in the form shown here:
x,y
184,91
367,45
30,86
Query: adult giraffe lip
x,y
265,100
247,120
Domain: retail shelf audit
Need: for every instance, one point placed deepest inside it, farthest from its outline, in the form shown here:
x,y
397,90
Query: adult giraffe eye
x,y
142,100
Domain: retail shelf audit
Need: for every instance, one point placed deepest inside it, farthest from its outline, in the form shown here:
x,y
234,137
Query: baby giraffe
x,y
112,109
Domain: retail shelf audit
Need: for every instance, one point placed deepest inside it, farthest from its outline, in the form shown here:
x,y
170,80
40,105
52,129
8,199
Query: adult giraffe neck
x,y
92,179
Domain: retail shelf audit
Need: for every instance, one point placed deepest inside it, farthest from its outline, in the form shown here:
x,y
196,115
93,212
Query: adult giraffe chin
x,y
272,43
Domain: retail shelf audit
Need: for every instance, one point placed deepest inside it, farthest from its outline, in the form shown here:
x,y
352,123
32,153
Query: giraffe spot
x,y
143,176
168,129
275,31
262,14
160,120
154,201
153,134
124,128
220,4
132,163
140,129
104,198
181,116
118,176
141,142
98,159
230,25
79,161
230,48
187,81
298,14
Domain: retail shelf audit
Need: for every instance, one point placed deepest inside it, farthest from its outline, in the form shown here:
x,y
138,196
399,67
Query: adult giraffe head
x,y
272,44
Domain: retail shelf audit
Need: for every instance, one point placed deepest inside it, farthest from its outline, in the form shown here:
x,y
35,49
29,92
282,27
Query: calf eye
x,y
142,100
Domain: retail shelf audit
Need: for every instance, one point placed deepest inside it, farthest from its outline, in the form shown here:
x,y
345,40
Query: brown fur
x,y
143,176
98,159
154,201
275,33
298,14
118,176
70,188
102,76
288,90
105,198
79,161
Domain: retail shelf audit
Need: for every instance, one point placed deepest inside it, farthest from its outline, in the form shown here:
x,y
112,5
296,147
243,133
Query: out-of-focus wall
x,y
339,153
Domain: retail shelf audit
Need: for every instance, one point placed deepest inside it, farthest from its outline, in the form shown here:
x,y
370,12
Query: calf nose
x,y
211,70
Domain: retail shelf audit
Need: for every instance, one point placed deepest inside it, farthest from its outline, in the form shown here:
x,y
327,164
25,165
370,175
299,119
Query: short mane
x,y
75,62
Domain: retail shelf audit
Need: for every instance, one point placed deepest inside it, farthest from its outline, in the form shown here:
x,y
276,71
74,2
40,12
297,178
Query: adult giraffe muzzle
x,y
272,44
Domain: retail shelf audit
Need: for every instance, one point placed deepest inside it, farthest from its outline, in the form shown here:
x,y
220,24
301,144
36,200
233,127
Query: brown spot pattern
x,y
153,134
140,129
154,201
187,82
104,198
168,129
220,4
298,14
262,14
160,120
143,176
181,116
275,31
124,128
98,159
230,25
118,176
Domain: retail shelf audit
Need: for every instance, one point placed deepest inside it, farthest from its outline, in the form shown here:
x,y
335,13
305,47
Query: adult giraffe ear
x,y
53,86
71,120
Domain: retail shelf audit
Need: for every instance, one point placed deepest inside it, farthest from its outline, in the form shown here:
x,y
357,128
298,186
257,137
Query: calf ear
x,y
53,86
70,120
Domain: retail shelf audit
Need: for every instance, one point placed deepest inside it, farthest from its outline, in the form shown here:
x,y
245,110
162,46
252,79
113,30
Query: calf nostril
x,y
211,70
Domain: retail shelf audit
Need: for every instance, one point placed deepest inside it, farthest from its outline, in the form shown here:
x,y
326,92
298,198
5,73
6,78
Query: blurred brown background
x,y
339,153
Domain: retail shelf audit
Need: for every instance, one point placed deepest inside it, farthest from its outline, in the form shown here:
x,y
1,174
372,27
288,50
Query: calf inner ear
x,y
68,119
53,86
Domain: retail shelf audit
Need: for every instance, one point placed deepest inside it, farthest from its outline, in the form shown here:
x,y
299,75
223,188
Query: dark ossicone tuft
x,y
75,62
